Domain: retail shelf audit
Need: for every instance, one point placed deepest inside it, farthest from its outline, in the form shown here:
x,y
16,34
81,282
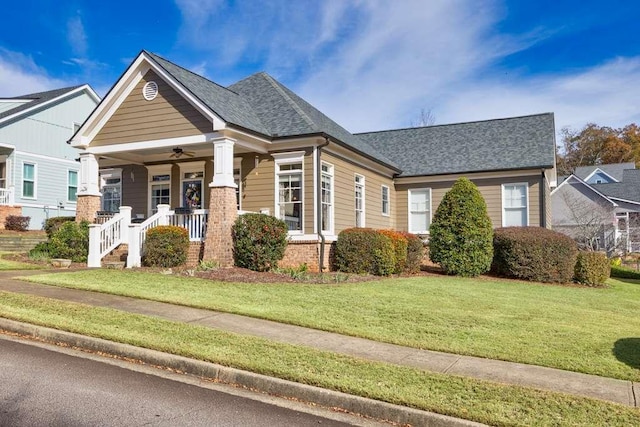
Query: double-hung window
x,y
385,201
327,198
419,210
289,184
72,186
29,180
515,201
359,200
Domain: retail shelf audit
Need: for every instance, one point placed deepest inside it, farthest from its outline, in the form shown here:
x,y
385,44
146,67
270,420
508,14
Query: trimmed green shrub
x,y
70,241
621,272
166,246
460,237
53,223
400,244
415,252
16,223
259,241
592,268
534,253
364,250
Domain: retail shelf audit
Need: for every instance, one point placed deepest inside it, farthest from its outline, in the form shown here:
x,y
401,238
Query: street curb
x,y
274,386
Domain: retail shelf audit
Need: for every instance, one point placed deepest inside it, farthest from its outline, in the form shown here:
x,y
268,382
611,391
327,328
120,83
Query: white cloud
x,y
77,37
20,75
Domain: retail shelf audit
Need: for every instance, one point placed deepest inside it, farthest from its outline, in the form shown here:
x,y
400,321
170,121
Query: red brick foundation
x,y
298,253
6,211
86,208
223,211
195,253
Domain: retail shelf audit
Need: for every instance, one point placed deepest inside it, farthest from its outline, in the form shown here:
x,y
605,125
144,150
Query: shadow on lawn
x,y
627,350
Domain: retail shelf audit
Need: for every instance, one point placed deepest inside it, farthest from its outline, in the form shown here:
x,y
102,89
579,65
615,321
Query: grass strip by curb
x,y
576,329
476,400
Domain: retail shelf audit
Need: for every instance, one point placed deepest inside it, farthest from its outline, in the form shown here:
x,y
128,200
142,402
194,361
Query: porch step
x,y
118,255
20,243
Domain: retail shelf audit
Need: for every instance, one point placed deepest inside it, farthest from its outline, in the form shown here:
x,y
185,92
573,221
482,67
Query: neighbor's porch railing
x,y
6,196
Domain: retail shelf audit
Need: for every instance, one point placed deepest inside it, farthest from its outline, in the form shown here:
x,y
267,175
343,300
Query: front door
x,y
192,194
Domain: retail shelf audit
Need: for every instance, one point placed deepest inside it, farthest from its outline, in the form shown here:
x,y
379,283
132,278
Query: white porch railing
x,y
103,238
6,196
195,222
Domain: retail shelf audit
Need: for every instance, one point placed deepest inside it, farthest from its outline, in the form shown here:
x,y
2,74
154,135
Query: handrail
x,y
111,234
6,196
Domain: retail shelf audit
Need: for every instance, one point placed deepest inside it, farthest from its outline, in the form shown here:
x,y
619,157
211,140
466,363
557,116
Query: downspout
x,y
543,201
319,202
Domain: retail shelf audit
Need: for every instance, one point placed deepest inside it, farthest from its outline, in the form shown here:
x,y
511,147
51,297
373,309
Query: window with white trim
x,y
72,185
327,197
515,205
419,210
359,200
289,203
385,201
111,189
29,180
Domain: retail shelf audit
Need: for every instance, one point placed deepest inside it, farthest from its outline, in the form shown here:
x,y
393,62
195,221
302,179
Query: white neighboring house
x,y
599,206
38,169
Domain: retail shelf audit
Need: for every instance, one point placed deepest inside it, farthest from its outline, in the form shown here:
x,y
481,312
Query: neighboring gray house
x,y
38,169
599,206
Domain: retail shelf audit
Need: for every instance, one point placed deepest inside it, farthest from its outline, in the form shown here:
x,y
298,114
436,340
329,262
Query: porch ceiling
x,y
161,154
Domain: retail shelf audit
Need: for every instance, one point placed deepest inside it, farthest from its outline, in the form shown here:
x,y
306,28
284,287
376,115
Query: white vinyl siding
x,y
515,205
420,210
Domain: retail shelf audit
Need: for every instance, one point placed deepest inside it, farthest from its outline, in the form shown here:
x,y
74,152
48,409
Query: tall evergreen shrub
x,y
461,235
259,241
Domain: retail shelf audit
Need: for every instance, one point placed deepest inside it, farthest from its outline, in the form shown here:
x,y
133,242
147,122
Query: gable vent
x,y
150,91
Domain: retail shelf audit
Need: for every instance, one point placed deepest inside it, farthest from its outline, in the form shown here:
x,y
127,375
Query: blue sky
x,y
369,65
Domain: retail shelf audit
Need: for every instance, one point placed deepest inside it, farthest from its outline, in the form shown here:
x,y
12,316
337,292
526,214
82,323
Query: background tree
x,y
461,235
425,118
595,145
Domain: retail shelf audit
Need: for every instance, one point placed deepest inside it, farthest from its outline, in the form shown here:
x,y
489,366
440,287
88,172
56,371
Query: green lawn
x,y
477,400
579,329
6,264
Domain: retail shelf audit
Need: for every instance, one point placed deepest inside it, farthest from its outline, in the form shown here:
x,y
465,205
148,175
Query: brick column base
x,y
86,208
223,212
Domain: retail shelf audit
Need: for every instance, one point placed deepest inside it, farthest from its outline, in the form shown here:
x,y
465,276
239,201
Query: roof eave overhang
x,y
532,169
337,141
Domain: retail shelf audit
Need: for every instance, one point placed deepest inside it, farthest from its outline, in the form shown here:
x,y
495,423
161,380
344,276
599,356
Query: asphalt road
x,y
46,386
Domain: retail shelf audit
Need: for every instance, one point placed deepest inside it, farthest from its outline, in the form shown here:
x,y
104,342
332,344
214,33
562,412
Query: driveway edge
x,y
262,383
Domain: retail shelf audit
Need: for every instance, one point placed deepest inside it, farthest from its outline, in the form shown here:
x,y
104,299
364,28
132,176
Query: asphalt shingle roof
x,y
614,170
502,144
628,189
37,98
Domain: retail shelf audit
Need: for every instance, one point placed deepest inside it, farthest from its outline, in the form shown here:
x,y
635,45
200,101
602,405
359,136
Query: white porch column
x,y
93,259
89,180
223,163
125,211
164,217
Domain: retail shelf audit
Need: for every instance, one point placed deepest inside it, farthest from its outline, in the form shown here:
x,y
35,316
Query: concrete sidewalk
x,y
619,391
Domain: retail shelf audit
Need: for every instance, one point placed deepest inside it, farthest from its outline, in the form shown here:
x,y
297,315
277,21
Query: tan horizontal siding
x,y
344,195
258,183
169,115
491,190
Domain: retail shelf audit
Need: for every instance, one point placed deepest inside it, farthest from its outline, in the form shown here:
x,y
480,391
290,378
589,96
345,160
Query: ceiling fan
x,y
179,152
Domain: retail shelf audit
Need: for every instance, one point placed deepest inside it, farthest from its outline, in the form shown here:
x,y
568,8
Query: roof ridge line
x,y
295,106
454,124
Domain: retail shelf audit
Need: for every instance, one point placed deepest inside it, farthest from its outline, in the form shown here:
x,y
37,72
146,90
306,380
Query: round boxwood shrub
x,y
534,253
69,241
166,246
259,241
364,250
17,223
592,268
400,243
415,252
460,237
